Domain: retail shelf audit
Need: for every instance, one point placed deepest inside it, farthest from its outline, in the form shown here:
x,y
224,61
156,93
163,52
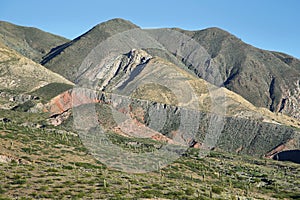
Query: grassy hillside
x,y
51,90
28,41
49,163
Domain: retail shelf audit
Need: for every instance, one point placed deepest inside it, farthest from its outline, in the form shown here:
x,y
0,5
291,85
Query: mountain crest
x,y
116,22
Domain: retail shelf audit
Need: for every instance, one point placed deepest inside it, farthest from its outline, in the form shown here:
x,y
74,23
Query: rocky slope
x,y
163,84
257,75
22,74
171,124
28,41
161,110
66,59
266,79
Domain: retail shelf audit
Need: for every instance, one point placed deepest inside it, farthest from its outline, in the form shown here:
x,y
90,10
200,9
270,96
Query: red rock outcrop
x,y
69,99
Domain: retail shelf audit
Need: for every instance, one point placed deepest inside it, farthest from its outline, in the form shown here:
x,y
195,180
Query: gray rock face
x,y
183,125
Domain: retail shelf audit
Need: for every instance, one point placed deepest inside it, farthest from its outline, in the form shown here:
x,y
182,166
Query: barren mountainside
x,y
149,75
133,85
22,74
66,59
266,79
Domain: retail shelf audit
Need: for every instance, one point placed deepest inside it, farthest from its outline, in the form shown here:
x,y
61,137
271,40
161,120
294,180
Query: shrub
x,y
19,182
217,190
2,191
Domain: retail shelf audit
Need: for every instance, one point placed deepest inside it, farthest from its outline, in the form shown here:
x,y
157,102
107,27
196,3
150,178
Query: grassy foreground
x,y
53,164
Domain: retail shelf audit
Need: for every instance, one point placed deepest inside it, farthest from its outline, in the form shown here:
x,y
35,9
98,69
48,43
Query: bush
x,y
51,90
68,167
287,195
189,191
217,190
2,191
19,182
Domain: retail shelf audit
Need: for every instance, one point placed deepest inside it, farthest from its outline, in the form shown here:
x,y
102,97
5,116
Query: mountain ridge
x,y
29,41
148,118
149,100
100,33
257,75
192,61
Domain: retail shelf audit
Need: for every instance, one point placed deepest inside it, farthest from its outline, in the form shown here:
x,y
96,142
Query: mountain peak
x,y
118,20
240,65
116,23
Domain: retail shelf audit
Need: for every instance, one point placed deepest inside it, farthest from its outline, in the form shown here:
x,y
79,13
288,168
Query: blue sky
x,y
267,24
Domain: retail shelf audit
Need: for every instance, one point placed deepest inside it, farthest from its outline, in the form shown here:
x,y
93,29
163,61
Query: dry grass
x,y
22,74
58,166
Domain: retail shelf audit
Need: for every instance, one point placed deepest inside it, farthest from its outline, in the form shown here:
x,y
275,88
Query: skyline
x,y
263,24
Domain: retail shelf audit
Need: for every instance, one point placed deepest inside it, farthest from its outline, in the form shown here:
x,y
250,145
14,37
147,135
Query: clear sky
x,y
267,24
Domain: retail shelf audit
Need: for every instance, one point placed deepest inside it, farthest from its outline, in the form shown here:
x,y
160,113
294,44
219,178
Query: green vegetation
x,y
51,90
54,164
24,107
20,117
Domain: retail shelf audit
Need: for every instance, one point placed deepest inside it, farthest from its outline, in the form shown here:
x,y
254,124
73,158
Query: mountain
x,y
265,78
147,90
66,59
28,41
20,76
165,72
146,119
